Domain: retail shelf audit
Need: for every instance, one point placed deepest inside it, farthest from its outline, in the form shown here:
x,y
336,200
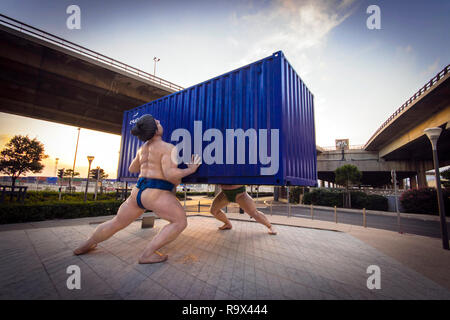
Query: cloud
x,y
432,68
297,27
404,50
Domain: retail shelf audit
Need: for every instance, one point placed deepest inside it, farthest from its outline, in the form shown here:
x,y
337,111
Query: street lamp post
x,y
90,159
433,134
56,165
96,182
154,65
74,160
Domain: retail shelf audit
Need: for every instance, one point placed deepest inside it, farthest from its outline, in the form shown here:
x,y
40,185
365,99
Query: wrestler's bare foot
x,y
155,257
84,248
226,226
272,231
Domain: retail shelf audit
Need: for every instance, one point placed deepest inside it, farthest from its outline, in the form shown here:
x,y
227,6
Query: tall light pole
x,y
74,160
90,159
56,165
154,65
433,134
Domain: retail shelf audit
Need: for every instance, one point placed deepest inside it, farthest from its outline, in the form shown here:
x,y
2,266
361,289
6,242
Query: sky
x,y
358,76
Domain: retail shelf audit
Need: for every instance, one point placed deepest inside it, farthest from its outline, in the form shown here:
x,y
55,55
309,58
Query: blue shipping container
x,y
253,125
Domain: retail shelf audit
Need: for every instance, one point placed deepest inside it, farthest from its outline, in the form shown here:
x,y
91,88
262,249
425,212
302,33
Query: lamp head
x,y
433,134
90,158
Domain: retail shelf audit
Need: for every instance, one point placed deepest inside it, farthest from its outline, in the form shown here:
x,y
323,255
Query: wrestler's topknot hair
x,y
145,128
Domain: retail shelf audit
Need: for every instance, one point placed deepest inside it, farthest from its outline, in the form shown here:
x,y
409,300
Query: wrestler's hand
x,y
195,163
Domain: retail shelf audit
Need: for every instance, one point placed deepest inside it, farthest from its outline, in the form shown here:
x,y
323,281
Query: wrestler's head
x,y
160,130
146,127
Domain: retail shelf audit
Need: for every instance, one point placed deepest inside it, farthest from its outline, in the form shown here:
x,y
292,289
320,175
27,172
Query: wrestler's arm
x,y
171,170
135,165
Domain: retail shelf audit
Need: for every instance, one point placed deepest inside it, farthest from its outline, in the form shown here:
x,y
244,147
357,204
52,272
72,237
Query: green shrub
x,y
50,196
359,200
377,202
295,193
333,197
424,200
323,197
15,213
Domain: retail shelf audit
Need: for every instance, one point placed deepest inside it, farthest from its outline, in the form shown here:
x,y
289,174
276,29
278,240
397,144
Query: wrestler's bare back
x,y
150,157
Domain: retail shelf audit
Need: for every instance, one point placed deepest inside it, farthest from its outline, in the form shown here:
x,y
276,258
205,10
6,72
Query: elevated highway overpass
x,y
49,78
400,143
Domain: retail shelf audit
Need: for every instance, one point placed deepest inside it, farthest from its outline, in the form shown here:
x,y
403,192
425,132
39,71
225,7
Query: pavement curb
x,y
274,223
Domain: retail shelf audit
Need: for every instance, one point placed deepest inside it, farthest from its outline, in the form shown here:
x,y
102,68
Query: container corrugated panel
x,y
266,97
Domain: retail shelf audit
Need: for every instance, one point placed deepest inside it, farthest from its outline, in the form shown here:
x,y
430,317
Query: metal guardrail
x,y
38,33
421,91
350,147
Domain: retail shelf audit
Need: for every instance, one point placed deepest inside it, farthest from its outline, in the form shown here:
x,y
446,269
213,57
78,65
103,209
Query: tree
x,y
69,173
101,176
446,175
347,176
20,156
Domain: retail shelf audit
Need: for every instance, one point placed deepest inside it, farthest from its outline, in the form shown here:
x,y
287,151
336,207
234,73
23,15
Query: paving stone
x,y
204,263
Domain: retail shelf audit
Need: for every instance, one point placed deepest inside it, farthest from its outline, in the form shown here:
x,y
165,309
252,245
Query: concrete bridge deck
x,y
49,78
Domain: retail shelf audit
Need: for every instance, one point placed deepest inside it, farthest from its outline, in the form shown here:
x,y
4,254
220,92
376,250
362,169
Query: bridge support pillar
x,y
322,184
421,175
413,182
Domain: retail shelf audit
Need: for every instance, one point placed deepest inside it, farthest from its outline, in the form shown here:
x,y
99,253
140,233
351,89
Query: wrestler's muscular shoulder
x,y
153,152
150,156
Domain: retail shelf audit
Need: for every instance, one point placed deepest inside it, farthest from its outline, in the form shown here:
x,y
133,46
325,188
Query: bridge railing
x,y
421,91
350,147
43,35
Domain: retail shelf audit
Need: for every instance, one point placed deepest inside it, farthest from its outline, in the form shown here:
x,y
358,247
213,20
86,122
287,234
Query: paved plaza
x,y
205,263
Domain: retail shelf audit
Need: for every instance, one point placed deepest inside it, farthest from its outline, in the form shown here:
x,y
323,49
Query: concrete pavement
x,y
423,254
306,260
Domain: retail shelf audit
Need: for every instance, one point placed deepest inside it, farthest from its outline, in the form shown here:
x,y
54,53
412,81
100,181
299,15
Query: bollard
x,y
289,209
198,206
226,209
335,214
364,217
271,203
312,212
289,201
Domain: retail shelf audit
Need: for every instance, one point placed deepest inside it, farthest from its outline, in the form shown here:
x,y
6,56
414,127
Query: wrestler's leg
x,y
128,212
167,207
248,205
218,203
